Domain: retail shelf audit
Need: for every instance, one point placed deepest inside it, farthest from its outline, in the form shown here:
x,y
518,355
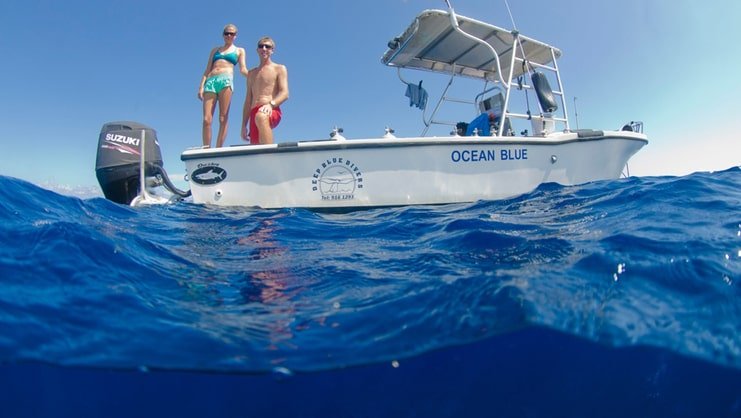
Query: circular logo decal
x,y
337,179
208,174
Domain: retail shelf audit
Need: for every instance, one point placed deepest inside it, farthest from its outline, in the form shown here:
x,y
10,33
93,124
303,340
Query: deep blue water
x,y
618,298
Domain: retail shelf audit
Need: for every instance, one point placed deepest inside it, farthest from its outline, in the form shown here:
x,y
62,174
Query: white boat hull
x,y
392,172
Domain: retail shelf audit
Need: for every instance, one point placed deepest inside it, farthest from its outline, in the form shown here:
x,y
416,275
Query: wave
x,y
651,261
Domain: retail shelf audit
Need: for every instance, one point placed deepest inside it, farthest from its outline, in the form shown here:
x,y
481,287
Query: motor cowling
x,y
119,156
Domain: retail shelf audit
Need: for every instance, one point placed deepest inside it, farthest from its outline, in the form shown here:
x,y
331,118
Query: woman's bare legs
x,y
209,105
225,100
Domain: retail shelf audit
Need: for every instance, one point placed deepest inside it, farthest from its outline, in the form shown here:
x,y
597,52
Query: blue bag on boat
x,y
481,123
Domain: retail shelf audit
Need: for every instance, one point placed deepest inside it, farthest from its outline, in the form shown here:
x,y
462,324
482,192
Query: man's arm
x,y
282,84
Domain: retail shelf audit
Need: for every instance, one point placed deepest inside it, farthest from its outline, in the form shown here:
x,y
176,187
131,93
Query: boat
x,y
487,156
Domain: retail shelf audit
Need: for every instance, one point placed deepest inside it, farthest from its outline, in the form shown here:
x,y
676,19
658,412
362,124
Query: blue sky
x,y
70,66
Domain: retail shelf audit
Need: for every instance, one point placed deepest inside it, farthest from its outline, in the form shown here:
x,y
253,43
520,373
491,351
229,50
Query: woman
x,y
217,84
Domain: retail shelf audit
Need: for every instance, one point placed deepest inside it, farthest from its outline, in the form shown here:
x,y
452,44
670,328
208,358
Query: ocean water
x,y
618,298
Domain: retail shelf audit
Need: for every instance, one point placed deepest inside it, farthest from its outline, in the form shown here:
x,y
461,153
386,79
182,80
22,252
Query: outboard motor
x,y
119,156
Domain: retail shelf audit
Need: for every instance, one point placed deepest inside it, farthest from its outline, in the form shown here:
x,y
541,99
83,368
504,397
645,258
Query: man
x,y
267,88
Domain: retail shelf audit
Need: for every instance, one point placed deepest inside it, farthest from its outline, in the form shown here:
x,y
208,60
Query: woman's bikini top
x,y
232,56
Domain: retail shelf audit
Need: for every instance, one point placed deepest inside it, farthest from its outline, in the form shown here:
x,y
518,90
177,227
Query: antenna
x,y
506,3
516,33
576,114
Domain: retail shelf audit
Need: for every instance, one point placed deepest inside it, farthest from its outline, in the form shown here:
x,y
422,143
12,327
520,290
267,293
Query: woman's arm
x,y
205,73
242,61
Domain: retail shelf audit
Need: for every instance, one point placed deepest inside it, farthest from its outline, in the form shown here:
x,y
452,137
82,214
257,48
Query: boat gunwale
x,y
412,142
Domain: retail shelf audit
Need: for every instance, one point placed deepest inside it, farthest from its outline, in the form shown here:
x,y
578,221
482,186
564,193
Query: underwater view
x,y
614,298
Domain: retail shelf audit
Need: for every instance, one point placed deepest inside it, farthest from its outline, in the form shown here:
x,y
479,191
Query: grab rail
x,y
454,23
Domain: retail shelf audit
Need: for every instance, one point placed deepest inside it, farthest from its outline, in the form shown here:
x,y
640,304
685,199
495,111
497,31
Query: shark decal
x,y
209,174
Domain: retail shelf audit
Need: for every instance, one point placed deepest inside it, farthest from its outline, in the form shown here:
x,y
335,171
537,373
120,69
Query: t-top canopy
x,y
432,43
